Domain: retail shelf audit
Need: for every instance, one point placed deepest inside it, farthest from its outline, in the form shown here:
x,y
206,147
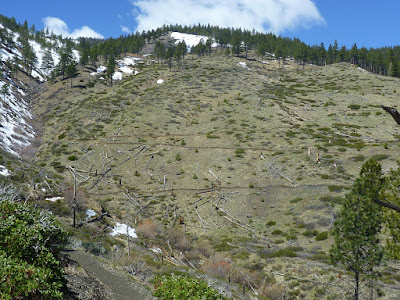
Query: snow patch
x,y
243,65
129,61
15,132
101,69
90,213
117,76
4,171
126,70
156,250
191,40
122,229
54,199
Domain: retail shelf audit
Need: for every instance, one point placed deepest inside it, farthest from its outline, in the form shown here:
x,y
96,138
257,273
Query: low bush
x,y
29,253
321,236
183,287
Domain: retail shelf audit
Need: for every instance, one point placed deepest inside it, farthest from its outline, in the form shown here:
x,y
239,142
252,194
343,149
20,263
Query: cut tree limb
x,y
393,112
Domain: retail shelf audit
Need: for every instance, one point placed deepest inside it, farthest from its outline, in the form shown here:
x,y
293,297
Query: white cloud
x,y
59,27
126,30
262,15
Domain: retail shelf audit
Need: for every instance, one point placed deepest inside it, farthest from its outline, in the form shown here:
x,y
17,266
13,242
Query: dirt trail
x,y
121,287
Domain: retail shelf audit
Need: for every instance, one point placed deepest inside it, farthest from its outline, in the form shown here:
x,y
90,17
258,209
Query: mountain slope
x,y
253,156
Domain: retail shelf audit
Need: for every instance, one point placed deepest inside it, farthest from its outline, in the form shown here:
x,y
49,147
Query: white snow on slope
x,y
101,69
15,132
90,213
117,76
15,116
121,229
190,39
54,199
4,171
243,65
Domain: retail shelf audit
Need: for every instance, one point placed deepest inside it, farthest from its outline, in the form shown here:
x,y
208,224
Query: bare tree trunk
x,y
357,287
74,204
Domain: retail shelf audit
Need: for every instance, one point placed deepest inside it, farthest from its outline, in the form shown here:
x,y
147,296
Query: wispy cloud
x,y
274,16
59,27
125,29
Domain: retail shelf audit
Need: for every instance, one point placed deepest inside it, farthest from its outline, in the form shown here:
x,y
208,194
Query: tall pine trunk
x,y
357,287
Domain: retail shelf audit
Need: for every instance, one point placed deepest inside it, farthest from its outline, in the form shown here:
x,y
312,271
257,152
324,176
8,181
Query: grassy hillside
x,y
228,147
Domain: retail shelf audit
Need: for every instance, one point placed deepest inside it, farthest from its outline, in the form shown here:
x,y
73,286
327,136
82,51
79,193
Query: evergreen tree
x,y
208,46
358,225
4,90
169,55
178,53
278,53
236,42
93,56
84,57
71,71
66,58
47,62
111,68
354,54
159,51
15,66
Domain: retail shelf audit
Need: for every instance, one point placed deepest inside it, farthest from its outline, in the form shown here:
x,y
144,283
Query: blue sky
x,y
367,23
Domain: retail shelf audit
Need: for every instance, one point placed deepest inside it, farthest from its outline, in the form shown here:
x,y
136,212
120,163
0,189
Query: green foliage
x,y
29,253
178,157
358,225
310,232
392,218
239,152
183,287
322,236
72,158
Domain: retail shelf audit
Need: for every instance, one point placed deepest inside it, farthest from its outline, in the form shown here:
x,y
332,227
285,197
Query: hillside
x,y
224,168
229,146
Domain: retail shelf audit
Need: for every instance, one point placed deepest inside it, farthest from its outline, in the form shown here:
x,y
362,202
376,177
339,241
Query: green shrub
x,y
271,223
183,287
239,152
321,236
354,106
296,200
277,232
29,253
379,157
72,158
310,232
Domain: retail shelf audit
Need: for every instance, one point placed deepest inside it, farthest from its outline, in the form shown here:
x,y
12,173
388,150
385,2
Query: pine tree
x,y
48,62
111,68
358,225
159,51
71,71
84,57
178,53
169,55
66,58
5,91
93,56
